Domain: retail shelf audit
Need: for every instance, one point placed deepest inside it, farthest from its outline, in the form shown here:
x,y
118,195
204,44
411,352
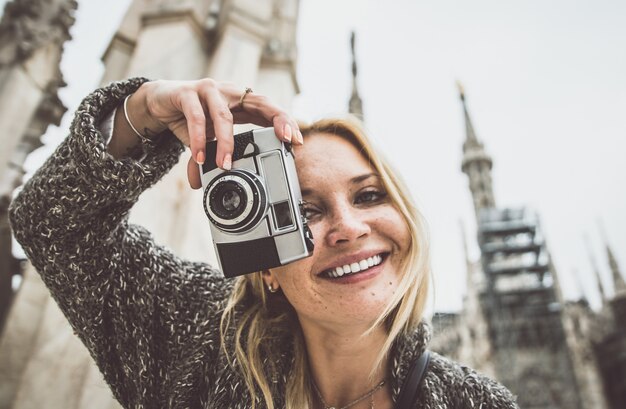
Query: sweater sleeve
x,y
137,307
452,385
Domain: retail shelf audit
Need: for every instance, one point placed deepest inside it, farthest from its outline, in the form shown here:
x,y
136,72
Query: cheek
x,y
301,290
318,231
392,226
304,299
295,281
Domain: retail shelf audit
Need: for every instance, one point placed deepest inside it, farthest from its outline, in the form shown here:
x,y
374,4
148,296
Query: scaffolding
x,y
523,306
520,283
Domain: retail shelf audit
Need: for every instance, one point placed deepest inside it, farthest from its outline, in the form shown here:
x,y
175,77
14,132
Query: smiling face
x,y
361,239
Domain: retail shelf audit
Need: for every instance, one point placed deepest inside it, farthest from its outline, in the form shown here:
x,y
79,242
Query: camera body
x,y
255,209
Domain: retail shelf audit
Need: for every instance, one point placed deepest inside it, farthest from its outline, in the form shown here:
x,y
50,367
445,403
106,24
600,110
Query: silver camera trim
x,y
274,229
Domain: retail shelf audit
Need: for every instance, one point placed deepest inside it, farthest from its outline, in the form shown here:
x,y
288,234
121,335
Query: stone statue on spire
x,y
355,106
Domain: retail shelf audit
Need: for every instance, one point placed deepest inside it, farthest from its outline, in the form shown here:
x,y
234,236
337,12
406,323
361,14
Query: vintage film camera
x,y
255,209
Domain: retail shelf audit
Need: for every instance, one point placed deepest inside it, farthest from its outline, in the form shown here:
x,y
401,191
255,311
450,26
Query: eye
x,y
370,196
310,211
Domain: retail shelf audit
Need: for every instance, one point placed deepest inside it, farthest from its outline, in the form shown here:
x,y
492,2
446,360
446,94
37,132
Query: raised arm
x,y
138,308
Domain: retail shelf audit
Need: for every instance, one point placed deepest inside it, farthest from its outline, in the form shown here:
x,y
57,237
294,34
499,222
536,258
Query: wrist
x,y
139,117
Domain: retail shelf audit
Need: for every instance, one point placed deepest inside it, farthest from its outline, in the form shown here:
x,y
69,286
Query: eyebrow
x,y
359,179
354,181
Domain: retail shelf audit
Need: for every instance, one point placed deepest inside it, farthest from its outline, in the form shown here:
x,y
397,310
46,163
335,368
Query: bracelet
x,y
141,137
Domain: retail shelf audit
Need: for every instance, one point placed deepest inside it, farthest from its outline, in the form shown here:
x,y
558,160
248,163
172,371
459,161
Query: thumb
x,y
193,174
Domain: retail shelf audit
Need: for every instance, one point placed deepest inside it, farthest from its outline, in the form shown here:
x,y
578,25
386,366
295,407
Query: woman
x,y
339,328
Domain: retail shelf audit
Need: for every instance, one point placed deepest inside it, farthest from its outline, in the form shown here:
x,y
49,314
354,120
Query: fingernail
x,y
287,132
227,164
200,158
300,138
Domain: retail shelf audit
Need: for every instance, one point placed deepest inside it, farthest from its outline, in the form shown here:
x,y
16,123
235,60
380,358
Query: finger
x,y
181,131
243,117
193,174
196,125
290,130
285,127
223,125
297,134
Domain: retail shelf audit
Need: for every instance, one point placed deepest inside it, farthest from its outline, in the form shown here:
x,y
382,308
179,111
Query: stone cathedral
x,y
251,42
515,325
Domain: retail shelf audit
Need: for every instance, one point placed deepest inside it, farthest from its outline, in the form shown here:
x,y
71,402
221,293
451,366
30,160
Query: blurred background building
x,y
42,365
515,324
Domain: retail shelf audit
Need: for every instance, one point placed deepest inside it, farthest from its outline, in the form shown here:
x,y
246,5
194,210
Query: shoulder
x,y
450,384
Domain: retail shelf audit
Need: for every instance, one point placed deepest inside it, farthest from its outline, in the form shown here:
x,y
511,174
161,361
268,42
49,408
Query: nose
x,y
348,224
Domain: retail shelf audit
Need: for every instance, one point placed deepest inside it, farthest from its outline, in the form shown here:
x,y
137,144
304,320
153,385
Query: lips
x,y
353,264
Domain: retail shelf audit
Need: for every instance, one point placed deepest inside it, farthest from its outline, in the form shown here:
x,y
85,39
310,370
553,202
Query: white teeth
x,y
354,267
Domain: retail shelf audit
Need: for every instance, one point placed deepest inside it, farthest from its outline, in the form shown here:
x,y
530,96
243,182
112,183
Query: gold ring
x,y
243,96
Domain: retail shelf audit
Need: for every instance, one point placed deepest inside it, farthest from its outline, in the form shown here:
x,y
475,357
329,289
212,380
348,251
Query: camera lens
x,y
235,201
227,200
231,200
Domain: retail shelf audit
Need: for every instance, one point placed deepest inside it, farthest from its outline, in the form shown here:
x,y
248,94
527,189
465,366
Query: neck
x,y
341,361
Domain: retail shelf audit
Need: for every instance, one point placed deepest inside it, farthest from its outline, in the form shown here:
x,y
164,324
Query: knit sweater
x,y
150,319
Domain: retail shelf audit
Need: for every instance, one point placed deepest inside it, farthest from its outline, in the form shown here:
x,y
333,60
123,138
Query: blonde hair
x,y
260,319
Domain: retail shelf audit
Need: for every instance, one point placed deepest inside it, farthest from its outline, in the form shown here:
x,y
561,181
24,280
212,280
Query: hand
x,y
202,110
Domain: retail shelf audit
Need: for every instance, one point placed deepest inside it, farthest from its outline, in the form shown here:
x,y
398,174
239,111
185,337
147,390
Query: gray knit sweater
x,y
150,319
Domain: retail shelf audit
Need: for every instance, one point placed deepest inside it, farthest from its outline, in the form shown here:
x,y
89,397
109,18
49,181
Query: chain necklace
x,y
368,394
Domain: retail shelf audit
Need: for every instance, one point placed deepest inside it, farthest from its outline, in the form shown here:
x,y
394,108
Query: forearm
x,y
81,182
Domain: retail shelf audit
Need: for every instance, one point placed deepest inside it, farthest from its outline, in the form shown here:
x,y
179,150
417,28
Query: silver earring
x,y
271,288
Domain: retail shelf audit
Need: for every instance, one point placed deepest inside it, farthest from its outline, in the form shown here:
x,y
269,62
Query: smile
x,y
353,268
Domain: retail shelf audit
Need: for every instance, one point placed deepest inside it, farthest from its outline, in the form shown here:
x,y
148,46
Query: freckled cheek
x,y
392,225
295,277
302,296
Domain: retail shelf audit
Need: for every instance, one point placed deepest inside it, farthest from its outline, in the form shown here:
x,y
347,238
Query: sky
x,y
545,84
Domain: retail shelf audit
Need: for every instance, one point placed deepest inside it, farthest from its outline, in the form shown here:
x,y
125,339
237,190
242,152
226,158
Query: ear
x,y
270,281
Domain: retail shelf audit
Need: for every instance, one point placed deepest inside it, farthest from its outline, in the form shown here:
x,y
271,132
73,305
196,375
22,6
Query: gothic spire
x,y
619,284
355,106
596,271
476,164
470,280
618,279
470,134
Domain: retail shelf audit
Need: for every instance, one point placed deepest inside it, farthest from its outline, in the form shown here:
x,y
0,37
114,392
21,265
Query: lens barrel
x,y
235,200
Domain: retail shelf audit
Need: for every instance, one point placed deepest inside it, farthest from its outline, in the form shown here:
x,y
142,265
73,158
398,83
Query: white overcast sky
x,y
546,87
